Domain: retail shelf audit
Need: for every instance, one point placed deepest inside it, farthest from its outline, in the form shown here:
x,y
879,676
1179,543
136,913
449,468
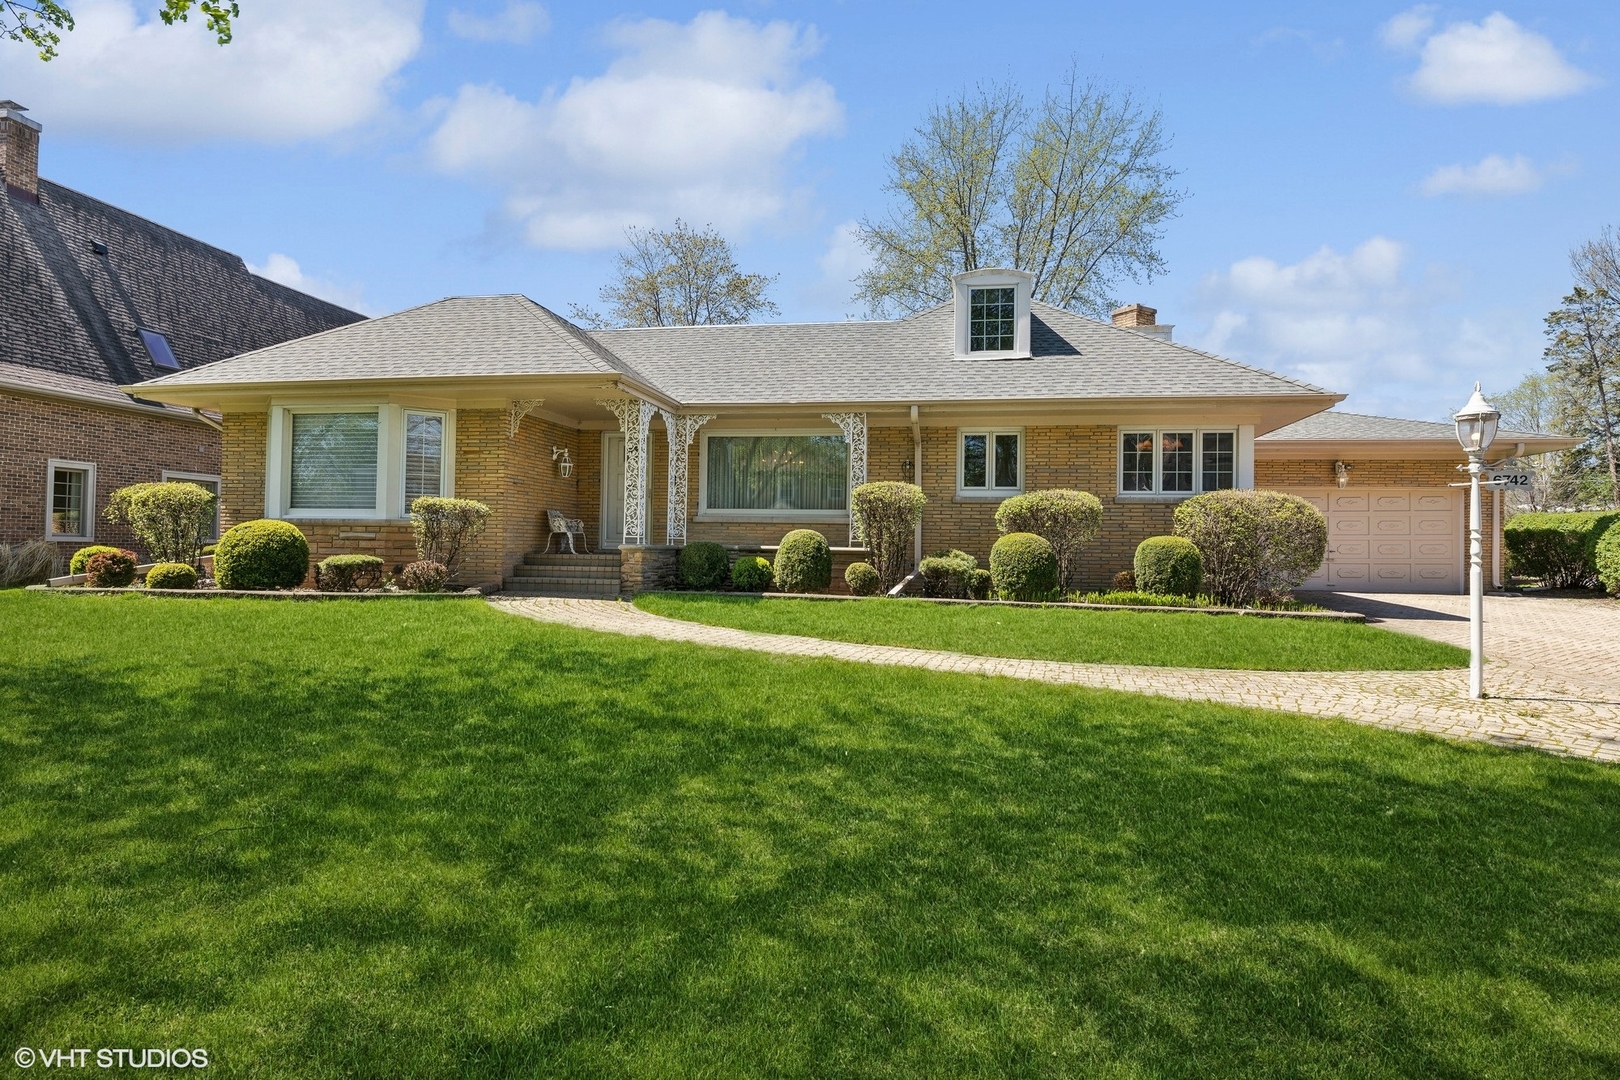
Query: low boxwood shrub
x,y
1064,518
1256,545
424,575
803,562
886,515
703,565
1560,549
979,584
85,554
1606,557
348,573
1023,566
948,574
172,575
262,554
862,579
1168,566
111,569
751,573
27,564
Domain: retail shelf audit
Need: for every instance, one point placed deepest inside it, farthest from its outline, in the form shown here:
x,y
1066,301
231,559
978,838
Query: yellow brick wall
x,y
244,441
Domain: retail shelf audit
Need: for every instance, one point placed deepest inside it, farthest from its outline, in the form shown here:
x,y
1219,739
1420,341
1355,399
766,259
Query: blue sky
x,y
1381,198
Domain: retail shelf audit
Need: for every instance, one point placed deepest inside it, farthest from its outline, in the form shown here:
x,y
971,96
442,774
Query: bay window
x,y
989,463
764,475
356,461
1169,461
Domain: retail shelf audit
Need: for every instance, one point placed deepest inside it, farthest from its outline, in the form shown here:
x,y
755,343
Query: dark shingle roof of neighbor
x,y
1336,426
72,314
904,360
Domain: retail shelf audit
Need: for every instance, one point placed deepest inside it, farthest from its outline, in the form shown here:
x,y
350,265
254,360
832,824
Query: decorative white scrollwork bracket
x,y
517,410
681,430
634,417
853,425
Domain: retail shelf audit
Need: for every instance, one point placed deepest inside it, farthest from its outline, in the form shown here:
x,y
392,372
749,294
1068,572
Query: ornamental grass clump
x,y
348,573
1560,549
443,529
172,520
803,562
751,573
172,575
262,554
1064,518
1168,566
703,565
424,576
1256,546
27,564
886,517
948,575
1023,566
862,579
110,570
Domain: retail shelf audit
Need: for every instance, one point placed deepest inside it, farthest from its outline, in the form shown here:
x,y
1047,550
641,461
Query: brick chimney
x,y
1142,319
19,150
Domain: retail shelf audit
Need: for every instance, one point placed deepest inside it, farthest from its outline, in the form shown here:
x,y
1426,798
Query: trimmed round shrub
x,y
703,565
948,575
171,519
1064,518
980,584
862,579
803,562
172,575
886,515
1168,566
1125,580
424,575
111,569
444,527
1023,566
751,574
348,573
1256,545
81,557
1607,557
262,554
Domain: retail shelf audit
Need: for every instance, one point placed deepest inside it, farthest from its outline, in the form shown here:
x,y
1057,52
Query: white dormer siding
x,y
988,327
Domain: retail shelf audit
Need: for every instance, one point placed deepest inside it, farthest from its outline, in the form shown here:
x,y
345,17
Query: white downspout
x,y
916,477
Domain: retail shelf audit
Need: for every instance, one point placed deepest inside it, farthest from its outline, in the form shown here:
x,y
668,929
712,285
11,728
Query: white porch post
x,y
680,429
634,417
853,425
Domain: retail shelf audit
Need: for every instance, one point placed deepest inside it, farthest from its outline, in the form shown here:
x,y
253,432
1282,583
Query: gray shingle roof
x,y
1336,426
457,337
78,388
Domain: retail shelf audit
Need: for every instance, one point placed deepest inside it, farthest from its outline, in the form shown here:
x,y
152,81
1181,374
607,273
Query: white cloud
x,y
695,121
1361,323
295,71
1493,175
519,23
1495,61
284,270
843,260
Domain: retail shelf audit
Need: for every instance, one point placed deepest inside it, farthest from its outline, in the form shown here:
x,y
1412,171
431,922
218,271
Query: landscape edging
x,y
1330,616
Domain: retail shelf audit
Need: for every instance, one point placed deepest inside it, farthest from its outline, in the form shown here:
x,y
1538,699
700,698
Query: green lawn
x,y
1157,639
401,839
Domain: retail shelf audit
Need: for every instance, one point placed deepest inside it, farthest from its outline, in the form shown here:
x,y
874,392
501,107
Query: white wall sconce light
x,y
565,464
1341,474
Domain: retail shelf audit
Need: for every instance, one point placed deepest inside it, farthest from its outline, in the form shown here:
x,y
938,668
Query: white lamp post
x,y
1476,430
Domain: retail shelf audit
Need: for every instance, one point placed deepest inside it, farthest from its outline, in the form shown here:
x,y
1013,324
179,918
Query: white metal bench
x,y
566,527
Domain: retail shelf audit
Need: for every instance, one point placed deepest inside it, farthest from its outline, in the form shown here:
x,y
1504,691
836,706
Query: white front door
x,y
612,490
1390,540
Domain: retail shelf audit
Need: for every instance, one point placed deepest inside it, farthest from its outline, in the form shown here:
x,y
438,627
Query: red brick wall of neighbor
x,y
126,447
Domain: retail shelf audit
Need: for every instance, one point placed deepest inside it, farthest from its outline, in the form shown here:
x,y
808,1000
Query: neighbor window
x,y
334,461
70,500
1177,462
781,473
989,462
424,455
202,480
991,320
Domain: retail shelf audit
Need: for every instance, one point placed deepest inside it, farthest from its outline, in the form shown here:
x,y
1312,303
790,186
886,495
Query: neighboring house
x,y
739,433
93,299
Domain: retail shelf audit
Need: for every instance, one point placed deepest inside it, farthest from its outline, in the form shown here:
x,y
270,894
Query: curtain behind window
x,y
778,472
334,461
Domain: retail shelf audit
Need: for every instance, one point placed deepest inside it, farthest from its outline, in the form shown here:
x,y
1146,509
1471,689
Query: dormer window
x,y
992,314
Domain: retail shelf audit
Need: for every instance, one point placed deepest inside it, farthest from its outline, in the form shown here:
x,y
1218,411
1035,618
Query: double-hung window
x,y
204,481
70,500
989,462
1171,461
424,455
763,475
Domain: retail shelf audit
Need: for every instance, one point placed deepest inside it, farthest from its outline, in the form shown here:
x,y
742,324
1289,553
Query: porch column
x,y
634,417
853,425
680,429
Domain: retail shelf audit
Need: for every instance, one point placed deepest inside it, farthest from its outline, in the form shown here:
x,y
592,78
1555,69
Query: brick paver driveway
x,y
1549,712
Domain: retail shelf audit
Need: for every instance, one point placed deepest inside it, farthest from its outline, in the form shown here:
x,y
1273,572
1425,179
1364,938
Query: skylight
x,y
158,346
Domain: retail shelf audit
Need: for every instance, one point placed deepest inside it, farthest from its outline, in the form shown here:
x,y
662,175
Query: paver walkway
x,y
1547,712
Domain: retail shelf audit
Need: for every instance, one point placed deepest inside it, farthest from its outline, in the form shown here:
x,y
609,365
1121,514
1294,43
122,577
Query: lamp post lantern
x,y
1476,430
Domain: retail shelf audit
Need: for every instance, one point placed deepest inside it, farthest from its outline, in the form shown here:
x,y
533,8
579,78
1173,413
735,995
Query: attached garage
x,y
1395,523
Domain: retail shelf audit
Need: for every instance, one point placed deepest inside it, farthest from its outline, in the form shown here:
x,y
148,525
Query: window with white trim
x,y
360,461
333,461
70,500
424,455
776,473
989,462
1176,461
991,320
202,480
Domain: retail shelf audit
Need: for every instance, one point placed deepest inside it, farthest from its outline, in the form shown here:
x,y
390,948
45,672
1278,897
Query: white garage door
x,y
1390,540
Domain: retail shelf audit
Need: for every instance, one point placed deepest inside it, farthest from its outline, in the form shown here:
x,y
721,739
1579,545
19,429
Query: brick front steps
x,y
586,576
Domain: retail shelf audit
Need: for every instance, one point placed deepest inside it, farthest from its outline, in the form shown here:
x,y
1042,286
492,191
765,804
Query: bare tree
x,y
678,277
1073,191
40,23
1583,356
1532,405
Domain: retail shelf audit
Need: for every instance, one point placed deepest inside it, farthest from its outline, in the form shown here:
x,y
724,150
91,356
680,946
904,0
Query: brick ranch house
x,y
736,434
93,299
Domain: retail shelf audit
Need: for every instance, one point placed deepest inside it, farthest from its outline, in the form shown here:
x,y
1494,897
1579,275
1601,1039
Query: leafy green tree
x,y
40,23
678,277
1583,358
1073,191
1532,405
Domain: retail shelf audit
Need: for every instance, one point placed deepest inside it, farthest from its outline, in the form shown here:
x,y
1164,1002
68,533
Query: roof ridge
x,y
596,354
